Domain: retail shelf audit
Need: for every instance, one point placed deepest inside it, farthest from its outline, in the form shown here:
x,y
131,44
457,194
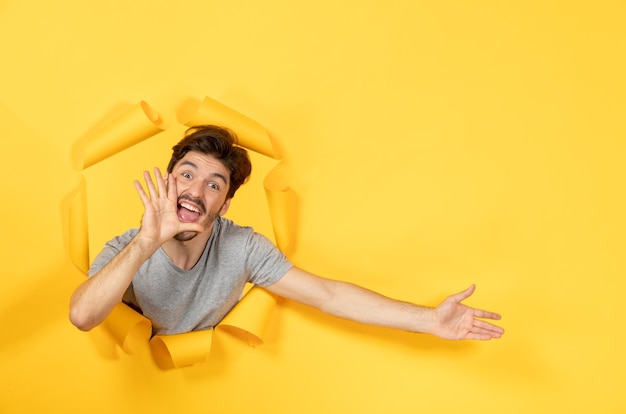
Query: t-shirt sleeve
x,y
265,262
110,250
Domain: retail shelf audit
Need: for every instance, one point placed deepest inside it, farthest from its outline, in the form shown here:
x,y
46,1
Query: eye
x,y
214,186
186,174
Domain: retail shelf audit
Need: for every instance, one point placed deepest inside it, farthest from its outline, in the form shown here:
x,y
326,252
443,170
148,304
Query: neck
x,y
185,254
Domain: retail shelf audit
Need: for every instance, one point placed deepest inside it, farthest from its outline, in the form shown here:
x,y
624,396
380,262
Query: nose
x,y
196,189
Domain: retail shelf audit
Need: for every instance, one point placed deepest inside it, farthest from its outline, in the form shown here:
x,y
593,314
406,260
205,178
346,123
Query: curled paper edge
x,y
128,327
251,316
176,351
135,125
282,207
250,133
248,320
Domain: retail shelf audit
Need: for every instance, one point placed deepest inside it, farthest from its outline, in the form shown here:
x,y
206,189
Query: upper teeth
x,y
190,207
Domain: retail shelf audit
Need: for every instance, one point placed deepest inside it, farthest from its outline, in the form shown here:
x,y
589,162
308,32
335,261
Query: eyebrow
x,y
195,167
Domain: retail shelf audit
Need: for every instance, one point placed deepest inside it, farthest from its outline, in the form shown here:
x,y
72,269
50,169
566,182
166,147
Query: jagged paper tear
x,y
251,135
250,317
133,126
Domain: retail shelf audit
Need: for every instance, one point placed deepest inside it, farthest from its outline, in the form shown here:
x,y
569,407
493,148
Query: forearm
x,y
95,298
349,301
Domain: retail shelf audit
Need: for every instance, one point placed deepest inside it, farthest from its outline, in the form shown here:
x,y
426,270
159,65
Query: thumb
x,y
461,296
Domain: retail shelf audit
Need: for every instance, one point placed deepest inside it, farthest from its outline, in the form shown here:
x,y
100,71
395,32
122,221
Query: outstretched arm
x,y
450,320
96,297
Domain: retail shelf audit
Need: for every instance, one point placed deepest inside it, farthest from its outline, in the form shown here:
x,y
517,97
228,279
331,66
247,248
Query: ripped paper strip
x,y
250,317
251,135
135,125
248,320
181,350
282,205
128,327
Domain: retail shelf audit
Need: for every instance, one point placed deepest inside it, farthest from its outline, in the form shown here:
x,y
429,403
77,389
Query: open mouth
x,y
188,212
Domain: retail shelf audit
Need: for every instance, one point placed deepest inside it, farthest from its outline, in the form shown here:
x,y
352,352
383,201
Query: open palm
x,y
455,320
160,219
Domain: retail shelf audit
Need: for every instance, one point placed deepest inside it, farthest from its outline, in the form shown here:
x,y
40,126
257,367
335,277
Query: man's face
x,y
202,184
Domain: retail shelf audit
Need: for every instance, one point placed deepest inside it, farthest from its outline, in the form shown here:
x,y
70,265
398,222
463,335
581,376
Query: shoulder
x,y
228,230
123,239
111,249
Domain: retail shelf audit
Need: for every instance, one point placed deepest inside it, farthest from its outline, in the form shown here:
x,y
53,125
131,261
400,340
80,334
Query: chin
x,y
185,236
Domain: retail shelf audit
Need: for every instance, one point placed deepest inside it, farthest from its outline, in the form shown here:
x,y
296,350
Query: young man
x,y
186,266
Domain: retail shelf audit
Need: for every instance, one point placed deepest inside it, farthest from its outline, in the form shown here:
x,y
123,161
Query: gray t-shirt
x,y
177,300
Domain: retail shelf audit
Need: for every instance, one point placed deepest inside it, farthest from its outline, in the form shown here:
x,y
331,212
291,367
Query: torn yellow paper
x,y
251,316
175,351
135,125
128,327
282,206
249,319
251,135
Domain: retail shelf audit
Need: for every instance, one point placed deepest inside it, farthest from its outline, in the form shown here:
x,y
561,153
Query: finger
x,y
461,296
486,327
151,189
142,194
481,336
479,313
159,182
484,335
484,332
171,187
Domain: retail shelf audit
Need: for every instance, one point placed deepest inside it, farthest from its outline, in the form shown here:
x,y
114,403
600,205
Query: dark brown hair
x,y
220,143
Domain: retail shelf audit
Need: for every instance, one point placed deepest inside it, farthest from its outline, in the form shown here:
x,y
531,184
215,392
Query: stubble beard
x,y
189,235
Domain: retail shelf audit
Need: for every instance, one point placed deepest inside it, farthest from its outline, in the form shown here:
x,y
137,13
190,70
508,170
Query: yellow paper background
x,y
118,143
429,146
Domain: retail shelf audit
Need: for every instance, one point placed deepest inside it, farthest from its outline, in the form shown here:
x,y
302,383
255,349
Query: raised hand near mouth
x,y
160,220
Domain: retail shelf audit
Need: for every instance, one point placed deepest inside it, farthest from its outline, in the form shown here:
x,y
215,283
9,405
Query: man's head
x,y
220,143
